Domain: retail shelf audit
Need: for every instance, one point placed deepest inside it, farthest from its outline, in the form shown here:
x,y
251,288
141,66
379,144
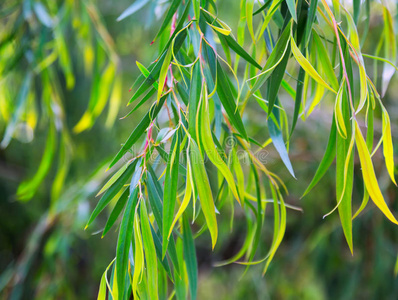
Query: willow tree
x,y
198,87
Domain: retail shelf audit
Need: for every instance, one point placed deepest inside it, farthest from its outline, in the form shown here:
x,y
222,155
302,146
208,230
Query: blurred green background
x,y
54,258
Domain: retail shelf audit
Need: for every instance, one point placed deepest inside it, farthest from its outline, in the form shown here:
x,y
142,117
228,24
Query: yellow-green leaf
x,y
210,147
163,72
338,112
138,257
150,253
187,197
369,176
203,189
306,65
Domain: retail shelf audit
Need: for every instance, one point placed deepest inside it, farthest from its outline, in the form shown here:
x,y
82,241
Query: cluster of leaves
x,y
308,50
35,60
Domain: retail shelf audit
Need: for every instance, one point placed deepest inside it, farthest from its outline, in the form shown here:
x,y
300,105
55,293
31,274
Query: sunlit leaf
x,y
203,189
369,176
150,252
124,240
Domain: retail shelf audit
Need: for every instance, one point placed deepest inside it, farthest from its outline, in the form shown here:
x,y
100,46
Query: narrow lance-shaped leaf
x,y
112,191
203,189
190,257
210,147
230,40
196,9
277,139
138,257
327,159
338,110
390,50
104,283
279,232
150,253
273,60
323,58
121,202
291,4
388,150
124,240
163,72
310,21
139,130
369,144
169,15
27,189
369,176
249,18
143,82
344,177
354,38
194,97
170,190
276,80
306,65
239,175
187,197
225,94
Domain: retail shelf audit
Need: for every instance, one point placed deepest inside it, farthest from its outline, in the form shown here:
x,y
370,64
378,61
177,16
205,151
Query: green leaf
x,y
163,72
390,50
113,179
277,139
150,253
273,60
190,257
344,179
310,21
291,5
203,189
170,190
306,65
27,189
276,80
194,97
187,196
169,15
279,231
138,257
298,99
180,281
158,249
121,202
210,147
249,18
124,240
263,7
323,58
196,9
225,94
327,159
143,100
143,82
112,191
139,130
102,289
369,176
230,40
